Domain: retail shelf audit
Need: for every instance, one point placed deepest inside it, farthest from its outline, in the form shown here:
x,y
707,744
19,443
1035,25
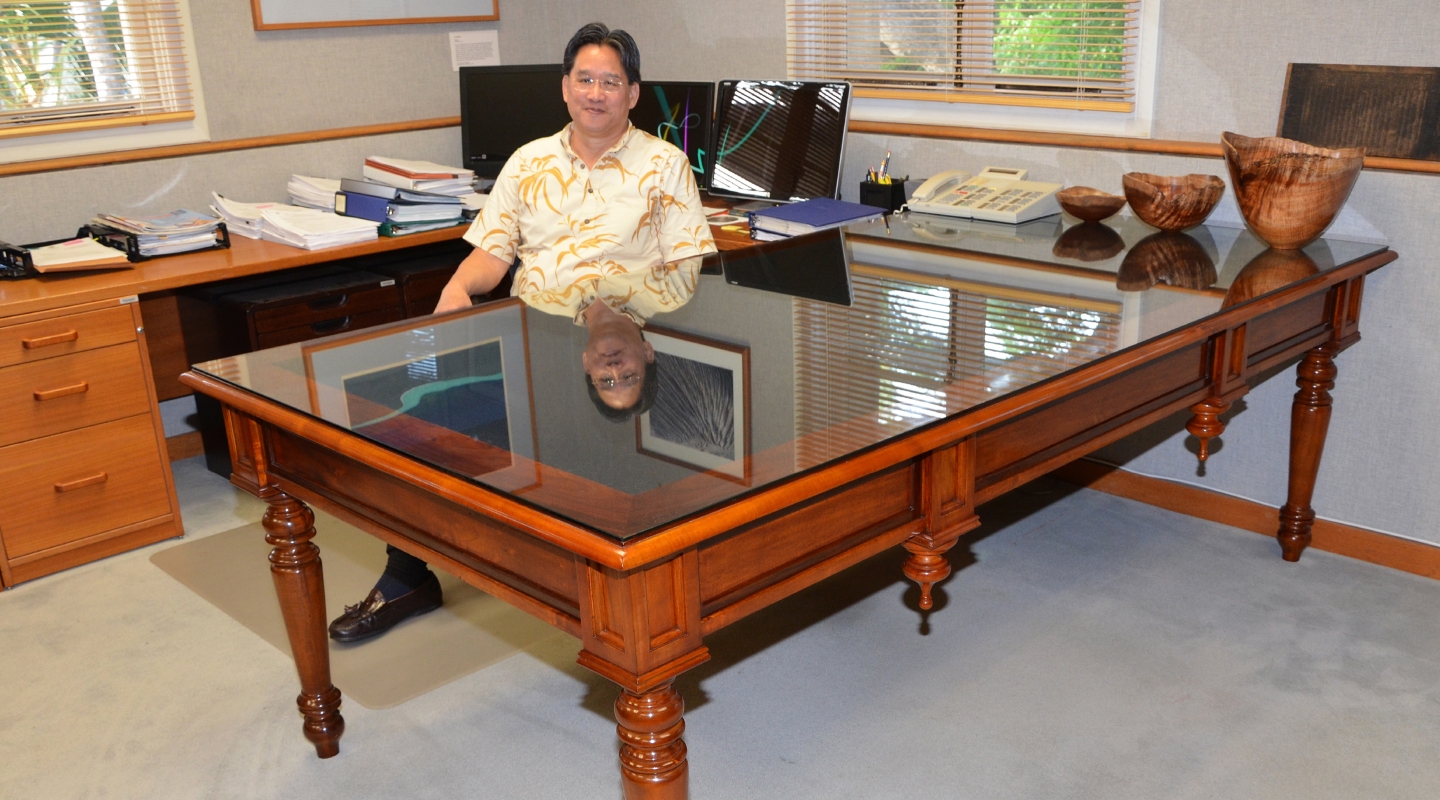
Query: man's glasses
x,y
609,85
609,384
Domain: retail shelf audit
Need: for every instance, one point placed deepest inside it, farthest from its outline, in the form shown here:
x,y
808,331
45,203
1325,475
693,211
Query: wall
x,y
258,83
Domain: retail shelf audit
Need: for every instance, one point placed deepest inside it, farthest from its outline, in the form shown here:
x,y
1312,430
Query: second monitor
x,y
678,112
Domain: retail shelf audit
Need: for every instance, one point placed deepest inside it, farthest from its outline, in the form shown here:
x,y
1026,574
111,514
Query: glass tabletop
x,y
769,361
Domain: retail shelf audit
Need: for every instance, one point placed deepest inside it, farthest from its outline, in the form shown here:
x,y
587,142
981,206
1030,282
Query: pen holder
x,y
889,196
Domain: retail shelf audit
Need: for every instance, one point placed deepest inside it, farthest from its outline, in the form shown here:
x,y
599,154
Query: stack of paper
x,y
241,218
313,192
423,176
77,254
164,234
312,229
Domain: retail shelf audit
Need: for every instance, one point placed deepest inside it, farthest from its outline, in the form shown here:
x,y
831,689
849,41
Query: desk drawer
x,y
342,324
62,336
77,484
62,394
349,303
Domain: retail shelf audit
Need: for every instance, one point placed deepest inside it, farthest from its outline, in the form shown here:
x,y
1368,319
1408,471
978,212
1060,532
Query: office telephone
x,y
997,194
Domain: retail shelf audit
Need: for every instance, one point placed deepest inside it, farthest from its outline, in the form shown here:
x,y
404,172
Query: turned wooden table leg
x,y
1309,422
300,584
1205,424
927,564
652,754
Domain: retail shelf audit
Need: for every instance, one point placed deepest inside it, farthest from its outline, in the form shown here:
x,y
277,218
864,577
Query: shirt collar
x,y
613,151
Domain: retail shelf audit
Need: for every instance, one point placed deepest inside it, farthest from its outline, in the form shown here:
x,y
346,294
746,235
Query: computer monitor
x,y
504,107
779,140
679,112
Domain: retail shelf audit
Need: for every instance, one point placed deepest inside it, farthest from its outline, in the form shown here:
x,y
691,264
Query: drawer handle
x,y
330,326
329,302
50,394
47,341
81,483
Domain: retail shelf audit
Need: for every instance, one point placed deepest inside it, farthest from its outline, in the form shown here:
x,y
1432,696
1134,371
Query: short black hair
x,y
649,387
617,40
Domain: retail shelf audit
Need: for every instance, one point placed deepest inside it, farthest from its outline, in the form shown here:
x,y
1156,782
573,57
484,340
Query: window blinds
x,y
83,64
1075,54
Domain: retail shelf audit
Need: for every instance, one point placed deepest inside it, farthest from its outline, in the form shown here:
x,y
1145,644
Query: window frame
x,y
1016,114
90,138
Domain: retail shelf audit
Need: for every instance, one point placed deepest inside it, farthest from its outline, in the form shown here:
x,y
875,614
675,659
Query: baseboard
x,y
184,445
1332,537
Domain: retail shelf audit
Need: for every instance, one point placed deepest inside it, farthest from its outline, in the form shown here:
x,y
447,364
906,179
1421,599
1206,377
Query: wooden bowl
x,y
1090,205
1173,259
1172,203
1271,270
1289,192
1089,241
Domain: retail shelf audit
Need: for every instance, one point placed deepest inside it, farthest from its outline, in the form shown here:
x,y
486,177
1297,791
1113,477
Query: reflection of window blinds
x,y
779,140
909,352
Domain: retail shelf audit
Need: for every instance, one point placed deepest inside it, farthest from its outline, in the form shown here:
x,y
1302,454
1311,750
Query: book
x,y
418,169
450,186
403,228
808,216
394,192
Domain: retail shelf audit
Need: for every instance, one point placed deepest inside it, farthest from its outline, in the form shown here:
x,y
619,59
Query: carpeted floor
x,y
1095,648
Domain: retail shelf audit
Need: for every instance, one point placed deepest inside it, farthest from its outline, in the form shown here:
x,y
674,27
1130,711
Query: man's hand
x,y
477,274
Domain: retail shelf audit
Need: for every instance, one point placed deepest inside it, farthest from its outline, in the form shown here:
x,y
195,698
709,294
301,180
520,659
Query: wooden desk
x,y
641,577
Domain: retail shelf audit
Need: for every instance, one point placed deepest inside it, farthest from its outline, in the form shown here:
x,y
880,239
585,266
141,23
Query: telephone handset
x,y
997,194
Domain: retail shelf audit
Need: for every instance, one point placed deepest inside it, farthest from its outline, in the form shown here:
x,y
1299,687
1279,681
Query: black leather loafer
x,y
374,615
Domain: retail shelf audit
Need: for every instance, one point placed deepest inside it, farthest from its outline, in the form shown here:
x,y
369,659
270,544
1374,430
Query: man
x,y
598,200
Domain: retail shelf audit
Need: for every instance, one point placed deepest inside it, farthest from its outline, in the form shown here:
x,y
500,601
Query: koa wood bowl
x,y
1172,202
1173,259
1089,205
1088,241
1289,192
1271,270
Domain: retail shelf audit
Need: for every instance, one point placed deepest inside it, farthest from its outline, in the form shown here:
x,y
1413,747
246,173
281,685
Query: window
x,y
1001,63
79,66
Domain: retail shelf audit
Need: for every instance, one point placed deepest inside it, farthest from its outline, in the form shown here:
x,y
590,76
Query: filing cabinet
x,y
82,450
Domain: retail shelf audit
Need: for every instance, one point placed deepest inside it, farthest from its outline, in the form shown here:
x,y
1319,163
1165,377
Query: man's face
x,y
616,365
597,94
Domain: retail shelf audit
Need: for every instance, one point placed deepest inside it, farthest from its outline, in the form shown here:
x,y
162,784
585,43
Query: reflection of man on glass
x,y
598,199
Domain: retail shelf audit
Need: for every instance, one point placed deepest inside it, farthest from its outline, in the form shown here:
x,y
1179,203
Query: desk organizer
x,y
15,263
889,196
126,241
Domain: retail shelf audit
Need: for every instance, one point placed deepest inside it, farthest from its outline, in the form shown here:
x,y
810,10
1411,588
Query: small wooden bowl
x,y
1172,203
1289,192
1089,205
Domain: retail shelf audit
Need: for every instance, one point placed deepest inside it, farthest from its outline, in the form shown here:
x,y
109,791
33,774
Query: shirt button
x,y
591,190
586,222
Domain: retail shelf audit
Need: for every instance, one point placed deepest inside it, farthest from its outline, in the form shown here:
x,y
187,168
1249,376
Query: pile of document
x,y
399,211
421,176
313,229
241,218
76,254
165,234
313,192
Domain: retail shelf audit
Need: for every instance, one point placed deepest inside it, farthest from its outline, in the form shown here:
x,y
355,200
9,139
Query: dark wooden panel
x,y
1390,111
524,563
165,339
1274,330
1087,415
767,551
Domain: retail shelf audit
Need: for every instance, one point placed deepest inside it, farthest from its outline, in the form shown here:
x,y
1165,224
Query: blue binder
x,y
363,206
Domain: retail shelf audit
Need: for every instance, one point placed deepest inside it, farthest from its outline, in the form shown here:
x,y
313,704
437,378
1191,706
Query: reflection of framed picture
x,y
701,415
463,379
272,15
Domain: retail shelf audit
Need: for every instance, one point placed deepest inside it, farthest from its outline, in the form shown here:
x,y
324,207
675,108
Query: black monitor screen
x,y
779,140
815,266
678,112
502,108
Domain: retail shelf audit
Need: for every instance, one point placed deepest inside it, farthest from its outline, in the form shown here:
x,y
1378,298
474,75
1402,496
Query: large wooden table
x,y
908,412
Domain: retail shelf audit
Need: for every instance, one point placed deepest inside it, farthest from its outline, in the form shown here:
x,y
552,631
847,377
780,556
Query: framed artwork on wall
x,y
275,15
701,415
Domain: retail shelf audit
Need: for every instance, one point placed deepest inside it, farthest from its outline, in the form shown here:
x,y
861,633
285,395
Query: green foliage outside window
x,y
1074,39
55,54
